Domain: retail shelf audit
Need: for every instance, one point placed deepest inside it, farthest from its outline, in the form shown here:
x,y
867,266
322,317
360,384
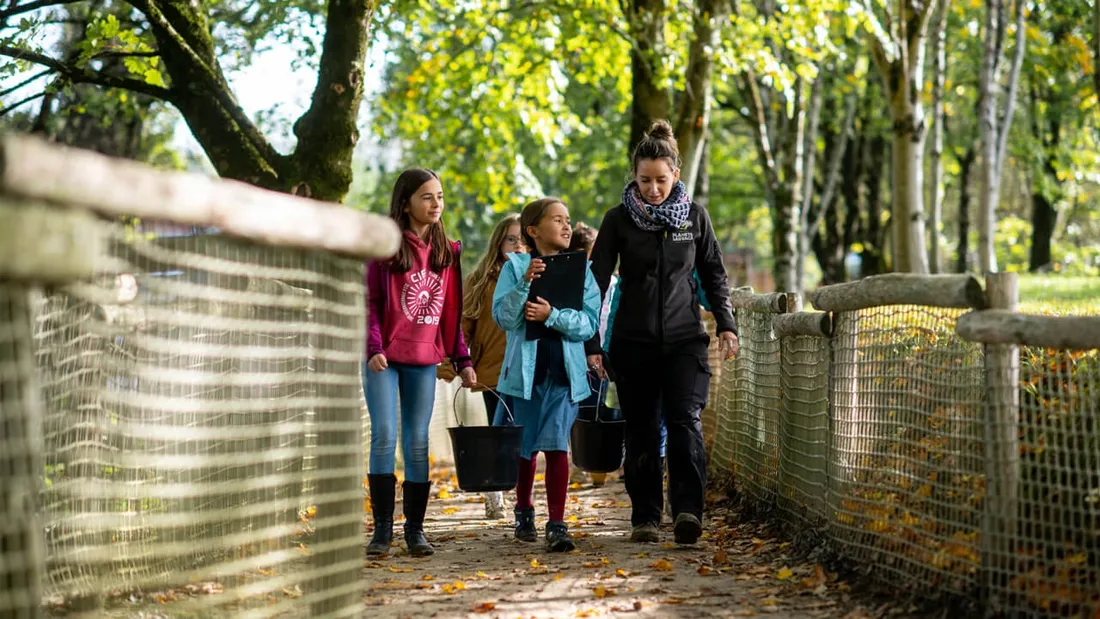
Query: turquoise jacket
x,y
518,374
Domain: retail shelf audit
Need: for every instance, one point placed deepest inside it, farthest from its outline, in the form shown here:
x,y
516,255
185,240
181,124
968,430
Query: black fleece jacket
x,y
659,303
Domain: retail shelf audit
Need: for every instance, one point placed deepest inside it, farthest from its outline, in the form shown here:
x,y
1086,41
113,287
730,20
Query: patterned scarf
x,y
671,214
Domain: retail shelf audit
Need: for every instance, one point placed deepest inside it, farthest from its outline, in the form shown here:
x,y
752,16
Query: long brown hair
x,y
532,215
487,269
442,253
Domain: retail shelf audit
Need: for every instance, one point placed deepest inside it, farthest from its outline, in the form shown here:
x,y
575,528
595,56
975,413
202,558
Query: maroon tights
x,y
557,482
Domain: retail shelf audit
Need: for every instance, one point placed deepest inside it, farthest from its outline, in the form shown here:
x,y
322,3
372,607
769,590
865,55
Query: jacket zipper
x,y
661,286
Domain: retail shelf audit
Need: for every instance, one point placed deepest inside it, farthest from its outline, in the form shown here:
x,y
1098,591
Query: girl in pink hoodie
x,y
414,322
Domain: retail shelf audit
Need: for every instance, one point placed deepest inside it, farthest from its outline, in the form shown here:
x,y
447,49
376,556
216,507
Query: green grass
x,y
1059,294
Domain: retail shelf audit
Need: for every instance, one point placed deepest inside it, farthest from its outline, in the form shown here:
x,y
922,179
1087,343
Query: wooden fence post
x,y
1002,455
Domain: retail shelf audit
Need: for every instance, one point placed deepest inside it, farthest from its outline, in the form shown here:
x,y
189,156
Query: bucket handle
x,y
454,404
599,401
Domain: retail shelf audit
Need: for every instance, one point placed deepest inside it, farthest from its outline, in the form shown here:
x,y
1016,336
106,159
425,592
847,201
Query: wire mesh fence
x,y
180,407
883,436
202,428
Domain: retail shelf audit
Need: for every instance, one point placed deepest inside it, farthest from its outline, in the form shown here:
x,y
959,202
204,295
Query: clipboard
x,y
561,284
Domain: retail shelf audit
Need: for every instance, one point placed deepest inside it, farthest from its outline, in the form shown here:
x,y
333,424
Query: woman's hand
x,y
537,312
533,271
378,363
469,377
729,344
595,363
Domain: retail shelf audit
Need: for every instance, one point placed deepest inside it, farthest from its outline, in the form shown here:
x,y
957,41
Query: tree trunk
x,y
327,132
693,113
899,57
702,185
649,99
789,198
966,163
1044,216
907,210
809,156
936,185
1043,219
873,256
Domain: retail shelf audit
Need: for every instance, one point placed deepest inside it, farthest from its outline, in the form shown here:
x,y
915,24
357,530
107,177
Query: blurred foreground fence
x,y
928,432
179,392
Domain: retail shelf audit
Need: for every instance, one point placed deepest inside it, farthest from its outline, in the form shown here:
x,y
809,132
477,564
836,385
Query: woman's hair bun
x,y
661,130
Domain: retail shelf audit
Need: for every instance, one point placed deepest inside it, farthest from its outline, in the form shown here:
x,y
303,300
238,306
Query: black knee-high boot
x,y
382,489
416,503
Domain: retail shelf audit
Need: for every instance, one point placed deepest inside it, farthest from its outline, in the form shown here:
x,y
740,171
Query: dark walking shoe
x,y
687,529
646,533
416,503
557,537
525,525
382,488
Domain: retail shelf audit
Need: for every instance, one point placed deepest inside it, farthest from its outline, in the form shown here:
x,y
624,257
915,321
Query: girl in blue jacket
x,y
546,377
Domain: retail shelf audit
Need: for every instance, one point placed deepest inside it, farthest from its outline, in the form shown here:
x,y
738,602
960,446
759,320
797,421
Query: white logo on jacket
x,y
422,298
683,237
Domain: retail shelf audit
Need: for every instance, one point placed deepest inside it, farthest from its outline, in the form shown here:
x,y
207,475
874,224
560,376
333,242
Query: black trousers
x,y
673,379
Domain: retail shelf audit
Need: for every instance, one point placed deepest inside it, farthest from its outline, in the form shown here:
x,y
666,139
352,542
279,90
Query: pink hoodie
x,y
415,317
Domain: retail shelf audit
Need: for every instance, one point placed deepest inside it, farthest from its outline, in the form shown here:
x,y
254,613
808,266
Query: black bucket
x,y
486,457
597,444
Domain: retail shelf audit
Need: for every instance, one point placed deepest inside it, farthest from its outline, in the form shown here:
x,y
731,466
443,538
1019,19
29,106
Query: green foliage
x,y
509,102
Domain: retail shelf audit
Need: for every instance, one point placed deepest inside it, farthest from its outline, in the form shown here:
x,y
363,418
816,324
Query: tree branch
x,y
41,74
15,105
87,76
218,88
1010,95
19,9
760,132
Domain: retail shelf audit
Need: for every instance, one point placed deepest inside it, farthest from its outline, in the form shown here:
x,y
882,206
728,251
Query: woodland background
x,y
829,139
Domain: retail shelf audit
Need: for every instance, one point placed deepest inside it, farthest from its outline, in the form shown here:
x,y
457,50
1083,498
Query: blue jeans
x,y
416,385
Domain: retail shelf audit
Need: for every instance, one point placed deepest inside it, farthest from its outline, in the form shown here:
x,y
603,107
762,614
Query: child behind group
x,y
546,377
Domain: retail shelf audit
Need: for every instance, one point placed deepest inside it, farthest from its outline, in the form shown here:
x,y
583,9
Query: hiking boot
x,y
494,505
416,503
687,529
557,537
525,525
382,489
646,533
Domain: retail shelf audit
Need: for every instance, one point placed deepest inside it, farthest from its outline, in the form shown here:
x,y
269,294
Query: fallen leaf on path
x,y
721,558
400,570
444,494
427,577
602,562
454,588
449,511
621,573
703,570
662,565
267,572
642,555
575,486
559,576
535,564
744,612
627,609
673,601
815,581
484,607
668,545
603,592
784,573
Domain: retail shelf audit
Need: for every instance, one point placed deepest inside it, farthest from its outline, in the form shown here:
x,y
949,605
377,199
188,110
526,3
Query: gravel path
x,y
479,569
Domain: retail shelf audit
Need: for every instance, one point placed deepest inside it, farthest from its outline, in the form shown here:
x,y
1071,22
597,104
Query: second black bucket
x,y
486,457
597,444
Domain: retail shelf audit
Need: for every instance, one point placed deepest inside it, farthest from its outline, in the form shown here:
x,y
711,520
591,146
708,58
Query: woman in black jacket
x,y
658,236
